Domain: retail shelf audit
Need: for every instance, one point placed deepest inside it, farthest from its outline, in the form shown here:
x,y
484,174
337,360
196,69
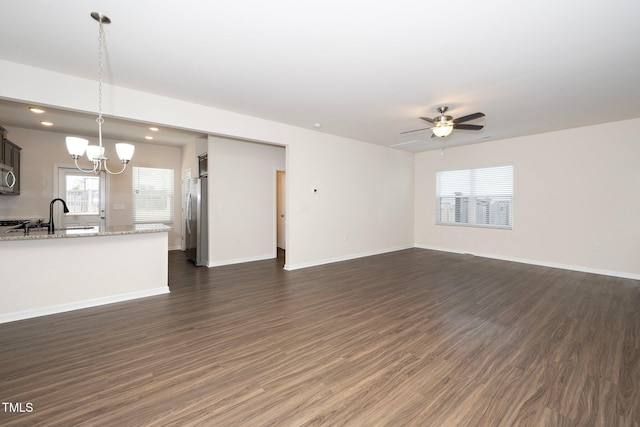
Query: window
x,y
479,197
152,195
82,194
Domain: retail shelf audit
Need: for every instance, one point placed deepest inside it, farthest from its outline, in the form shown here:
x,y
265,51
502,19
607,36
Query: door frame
x,y
58,170
277,196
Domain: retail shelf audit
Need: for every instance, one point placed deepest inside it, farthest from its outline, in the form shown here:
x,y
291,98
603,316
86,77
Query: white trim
x,y
28,314
582,269
272,255
290,267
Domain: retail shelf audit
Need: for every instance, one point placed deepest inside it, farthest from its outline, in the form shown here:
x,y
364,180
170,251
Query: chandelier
x,y
95,153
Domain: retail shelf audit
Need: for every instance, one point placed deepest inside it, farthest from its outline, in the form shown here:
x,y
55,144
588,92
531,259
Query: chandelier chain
x,y
100,120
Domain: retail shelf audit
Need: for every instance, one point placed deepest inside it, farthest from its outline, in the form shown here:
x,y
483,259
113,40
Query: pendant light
x,y
95,153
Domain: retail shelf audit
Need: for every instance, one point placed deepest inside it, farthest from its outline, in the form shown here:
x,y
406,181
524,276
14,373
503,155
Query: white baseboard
x,y
298,266
241,260
582,269
28,314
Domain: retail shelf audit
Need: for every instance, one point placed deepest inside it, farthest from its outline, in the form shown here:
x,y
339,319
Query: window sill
x,y
496,227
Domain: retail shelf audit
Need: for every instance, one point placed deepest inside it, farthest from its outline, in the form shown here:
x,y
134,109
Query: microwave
x,y
7,179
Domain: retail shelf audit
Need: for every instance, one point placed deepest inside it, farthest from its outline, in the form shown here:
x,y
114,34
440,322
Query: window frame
x,y
169,198
474,198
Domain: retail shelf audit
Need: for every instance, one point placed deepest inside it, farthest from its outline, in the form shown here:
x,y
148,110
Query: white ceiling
x,y
73,123
362,69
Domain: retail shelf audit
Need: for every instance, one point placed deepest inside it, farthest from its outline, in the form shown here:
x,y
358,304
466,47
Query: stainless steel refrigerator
x,y
197,230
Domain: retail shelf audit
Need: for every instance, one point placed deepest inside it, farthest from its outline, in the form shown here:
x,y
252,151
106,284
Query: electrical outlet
x,y
598,247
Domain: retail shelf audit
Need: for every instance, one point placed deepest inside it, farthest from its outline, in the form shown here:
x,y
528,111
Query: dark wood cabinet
x,y
3,134
10,156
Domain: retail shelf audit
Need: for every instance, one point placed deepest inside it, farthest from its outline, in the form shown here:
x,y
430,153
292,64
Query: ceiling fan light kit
x,y
443,125
442,130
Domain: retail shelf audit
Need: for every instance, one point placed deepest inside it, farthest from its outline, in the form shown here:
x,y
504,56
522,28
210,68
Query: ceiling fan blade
x,y
469,117
427,119
467,127
415,130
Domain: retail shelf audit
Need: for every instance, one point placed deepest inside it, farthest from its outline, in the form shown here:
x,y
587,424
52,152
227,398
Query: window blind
x,y
480,197
152,195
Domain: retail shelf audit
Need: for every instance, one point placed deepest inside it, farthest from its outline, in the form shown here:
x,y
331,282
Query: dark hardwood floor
x,y
408,338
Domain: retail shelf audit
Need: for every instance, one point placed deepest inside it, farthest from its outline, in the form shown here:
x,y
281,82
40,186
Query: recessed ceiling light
x,y
46,124
36,110
149,137
154,129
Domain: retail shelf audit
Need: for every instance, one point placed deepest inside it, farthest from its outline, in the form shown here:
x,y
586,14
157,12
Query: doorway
x,y
85,195
281,214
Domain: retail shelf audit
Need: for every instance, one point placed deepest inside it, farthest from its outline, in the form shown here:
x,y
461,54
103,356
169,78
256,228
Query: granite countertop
x,y
80,231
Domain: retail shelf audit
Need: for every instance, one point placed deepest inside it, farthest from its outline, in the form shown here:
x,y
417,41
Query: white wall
x,y
572,190
363,204
189,159
242,200
365,191
44,151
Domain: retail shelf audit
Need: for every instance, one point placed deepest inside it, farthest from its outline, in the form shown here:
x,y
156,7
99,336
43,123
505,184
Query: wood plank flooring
x,y
410,338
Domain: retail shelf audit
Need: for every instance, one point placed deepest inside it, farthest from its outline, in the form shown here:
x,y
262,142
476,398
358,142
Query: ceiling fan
x,y
443,125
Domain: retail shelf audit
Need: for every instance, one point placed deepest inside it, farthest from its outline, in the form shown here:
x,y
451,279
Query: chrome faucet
x,y
52,229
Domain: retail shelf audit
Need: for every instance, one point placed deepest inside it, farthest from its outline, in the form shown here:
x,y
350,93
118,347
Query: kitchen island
x,y
75,268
